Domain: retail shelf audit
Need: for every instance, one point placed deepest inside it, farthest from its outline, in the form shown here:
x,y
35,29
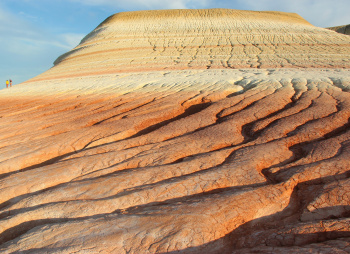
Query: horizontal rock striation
x,y
96,157
202,39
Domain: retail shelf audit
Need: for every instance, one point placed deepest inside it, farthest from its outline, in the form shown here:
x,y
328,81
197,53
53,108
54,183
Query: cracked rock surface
x,y
202,39
199,160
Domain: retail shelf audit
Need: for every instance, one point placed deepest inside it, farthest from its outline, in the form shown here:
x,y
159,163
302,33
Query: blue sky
x,y
33,33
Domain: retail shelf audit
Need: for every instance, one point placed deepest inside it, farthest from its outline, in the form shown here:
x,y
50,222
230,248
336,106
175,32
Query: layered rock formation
x,y
201,39
121,148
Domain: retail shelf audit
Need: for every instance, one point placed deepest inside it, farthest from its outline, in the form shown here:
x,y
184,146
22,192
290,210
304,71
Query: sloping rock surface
x,y
181,161
205,39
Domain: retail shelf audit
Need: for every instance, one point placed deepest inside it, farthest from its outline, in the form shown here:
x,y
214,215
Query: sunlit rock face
x,y
183,131
204,39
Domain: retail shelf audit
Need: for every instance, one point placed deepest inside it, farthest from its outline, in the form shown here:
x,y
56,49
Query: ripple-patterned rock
x,y
178,161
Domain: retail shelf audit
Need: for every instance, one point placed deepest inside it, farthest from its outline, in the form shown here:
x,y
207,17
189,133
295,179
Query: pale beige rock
x,y
181,161
202,39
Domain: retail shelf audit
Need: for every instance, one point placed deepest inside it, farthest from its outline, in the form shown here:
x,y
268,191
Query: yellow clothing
x,y
7,82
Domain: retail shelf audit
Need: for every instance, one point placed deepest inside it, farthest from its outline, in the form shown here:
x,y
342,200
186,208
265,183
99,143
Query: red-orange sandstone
x,y
180,132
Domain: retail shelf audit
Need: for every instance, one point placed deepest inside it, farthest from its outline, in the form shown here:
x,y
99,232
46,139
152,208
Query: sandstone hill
x,y
201,39
182,131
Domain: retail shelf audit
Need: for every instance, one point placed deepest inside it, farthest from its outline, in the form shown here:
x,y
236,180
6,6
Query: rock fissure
x,y
182,131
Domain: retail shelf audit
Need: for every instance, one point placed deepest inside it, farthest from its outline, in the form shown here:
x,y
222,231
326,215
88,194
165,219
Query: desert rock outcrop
x,y
201,39
208,132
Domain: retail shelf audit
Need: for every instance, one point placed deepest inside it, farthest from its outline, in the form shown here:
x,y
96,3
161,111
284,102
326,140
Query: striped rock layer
x,y
117,150
204,39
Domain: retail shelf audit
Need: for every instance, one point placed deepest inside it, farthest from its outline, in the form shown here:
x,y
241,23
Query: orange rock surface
x,y
136,152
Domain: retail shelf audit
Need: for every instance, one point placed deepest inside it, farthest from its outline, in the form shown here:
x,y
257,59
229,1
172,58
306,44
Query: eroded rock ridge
x,y
96,158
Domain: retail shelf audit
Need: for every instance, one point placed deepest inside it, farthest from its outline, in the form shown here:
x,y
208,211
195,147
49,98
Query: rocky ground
x,y
178,161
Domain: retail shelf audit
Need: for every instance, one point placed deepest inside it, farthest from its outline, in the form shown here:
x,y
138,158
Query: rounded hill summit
x,y
182,131
202,39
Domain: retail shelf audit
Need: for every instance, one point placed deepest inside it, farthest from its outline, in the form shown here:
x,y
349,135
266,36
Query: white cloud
x,y
28,49
147,4
16,29
71,39
28,16
322,13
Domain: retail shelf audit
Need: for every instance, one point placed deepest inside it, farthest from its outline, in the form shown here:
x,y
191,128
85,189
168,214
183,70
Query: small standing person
x,y
7,83
10,82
